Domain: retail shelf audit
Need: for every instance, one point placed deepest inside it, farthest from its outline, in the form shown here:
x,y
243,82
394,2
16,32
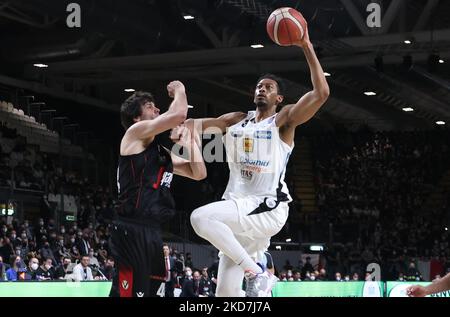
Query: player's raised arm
x,y
170,119
438,286
293,115
215,125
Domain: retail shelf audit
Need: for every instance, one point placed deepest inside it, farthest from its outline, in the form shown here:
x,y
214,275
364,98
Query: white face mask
x,y
312,278
34,266
188,273
347,279
47,267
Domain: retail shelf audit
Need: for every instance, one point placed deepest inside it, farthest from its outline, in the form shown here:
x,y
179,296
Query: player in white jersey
x,y
255,205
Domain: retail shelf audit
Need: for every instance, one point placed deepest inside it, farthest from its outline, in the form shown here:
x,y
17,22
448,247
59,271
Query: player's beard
x,y
262,104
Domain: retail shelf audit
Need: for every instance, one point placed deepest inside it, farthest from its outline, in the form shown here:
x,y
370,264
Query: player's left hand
x,y
305,40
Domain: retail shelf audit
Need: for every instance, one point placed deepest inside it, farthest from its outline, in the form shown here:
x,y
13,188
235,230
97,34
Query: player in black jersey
x,y
144,175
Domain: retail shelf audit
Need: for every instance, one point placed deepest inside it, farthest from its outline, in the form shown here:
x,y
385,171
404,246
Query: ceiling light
x,y
190,107
408,109
370,93
440,122
40,65
407,42
129,90
441,61
288,240
327,74
188,17
257,46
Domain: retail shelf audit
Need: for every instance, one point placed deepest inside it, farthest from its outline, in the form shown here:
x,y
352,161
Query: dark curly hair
x,y
132,107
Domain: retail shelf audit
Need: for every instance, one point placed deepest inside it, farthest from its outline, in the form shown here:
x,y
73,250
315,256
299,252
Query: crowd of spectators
x,y
371,189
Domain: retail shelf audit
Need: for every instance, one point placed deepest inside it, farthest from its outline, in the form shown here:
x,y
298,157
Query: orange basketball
x,y
286,26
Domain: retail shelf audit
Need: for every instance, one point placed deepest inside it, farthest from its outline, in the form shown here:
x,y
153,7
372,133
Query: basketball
x,y
286,26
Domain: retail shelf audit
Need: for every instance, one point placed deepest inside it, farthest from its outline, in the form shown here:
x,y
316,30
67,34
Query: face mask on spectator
x,y
41,223
13,236
4,230
91,254
63,231
312,277
347,279
61,242
18,252
72,240
23,236
34,266
188,273
26,224
47,266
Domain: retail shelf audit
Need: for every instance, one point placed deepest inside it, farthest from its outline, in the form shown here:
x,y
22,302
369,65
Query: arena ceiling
x,y
143,44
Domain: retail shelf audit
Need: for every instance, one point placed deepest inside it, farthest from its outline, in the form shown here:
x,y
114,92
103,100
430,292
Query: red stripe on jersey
x,y
158,180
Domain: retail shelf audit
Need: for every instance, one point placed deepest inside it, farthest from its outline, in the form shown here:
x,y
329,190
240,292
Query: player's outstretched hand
x,y
416,291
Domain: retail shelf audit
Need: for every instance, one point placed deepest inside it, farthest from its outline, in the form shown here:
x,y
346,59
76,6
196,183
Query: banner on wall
x,y
398,289
328,289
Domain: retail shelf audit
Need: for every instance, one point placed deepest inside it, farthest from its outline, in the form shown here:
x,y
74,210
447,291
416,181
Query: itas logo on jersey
x,y
263,134
246,174
166,179
248,145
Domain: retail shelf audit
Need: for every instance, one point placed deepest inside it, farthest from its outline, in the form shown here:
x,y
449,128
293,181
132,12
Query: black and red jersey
x,y
143,182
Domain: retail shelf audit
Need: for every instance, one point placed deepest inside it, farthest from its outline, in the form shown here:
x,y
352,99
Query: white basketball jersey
x,y
257,159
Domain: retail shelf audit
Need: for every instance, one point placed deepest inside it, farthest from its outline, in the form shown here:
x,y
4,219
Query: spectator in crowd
x,y
6,250
12,274
307,267
32,269
170,268
338,277
46,251
3,269
108,269
205,287
297,276
187,285
92,259
83,245
413,274
63,269
322,275
82,271
46,272
188,261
